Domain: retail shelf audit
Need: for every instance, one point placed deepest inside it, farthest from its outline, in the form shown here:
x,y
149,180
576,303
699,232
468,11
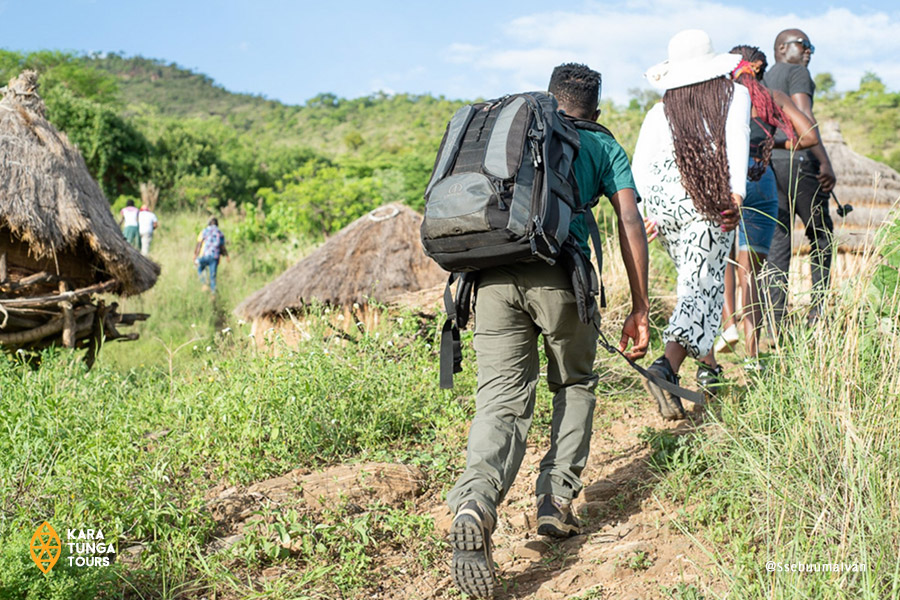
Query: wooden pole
x,y
68,328
22,337
4,271
48,300
36,279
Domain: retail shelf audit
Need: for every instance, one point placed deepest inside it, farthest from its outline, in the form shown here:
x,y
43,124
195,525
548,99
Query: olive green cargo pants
x,y
513,305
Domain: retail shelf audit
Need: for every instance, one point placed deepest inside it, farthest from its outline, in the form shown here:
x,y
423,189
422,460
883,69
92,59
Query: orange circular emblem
x,y
45,547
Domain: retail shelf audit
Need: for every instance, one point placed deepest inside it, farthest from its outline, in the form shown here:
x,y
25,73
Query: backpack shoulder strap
x,y
588,206
458,310
588,125
598,249
696,397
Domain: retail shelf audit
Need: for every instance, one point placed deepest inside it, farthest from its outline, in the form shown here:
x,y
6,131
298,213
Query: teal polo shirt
x,y
601,169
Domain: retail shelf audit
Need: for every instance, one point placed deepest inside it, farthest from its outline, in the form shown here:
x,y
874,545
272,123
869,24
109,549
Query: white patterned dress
x,y
698,247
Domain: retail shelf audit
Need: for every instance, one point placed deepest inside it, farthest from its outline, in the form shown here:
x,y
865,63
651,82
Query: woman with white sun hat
x,y
690,168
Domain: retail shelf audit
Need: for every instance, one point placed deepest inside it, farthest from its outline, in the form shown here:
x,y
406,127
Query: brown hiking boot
x,y
555,517
473,563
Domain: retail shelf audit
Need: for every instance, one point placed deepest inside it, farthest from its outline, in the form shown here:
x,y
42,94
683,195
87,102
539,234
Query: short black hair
x,y
577,86
129,202
213,221
782,37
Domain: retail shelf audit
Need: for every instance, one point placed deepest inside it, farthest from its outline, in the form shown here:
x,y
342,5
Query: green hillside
x,y
327,123
335,126
205,461
310,169
176,92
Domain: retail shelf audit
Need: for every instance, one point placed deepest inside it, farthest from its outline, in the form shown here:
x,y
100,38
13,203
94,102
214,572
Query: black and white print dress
x,y
698,247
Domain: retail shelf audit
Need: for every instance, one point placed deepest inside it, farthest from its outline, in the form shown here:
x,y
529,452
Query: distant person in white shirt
x,y
128,217
147,223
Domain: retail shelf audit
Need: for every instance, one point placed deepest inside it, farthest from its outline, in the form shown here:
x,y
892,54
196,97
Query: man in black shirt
x,y
805,180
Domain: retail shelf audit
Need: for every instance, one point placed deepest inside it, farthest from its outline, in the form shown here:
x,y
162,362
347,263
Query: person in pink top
x,y
128,217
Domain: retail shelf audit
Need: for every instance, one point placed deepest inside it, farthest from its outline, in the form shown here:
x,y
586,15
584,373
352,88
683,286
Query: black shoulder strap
x,y
598,249
588,206
451,353
458,311
698,398
588,125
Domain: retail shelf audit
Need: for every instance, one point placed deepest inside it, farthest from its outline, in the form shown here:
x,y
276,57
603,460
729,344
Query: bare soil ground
x,y
629,547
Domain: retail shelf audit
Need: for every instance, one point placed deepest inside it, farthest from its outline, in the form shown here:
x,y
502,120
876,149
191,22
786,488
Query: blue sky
x,y
291,51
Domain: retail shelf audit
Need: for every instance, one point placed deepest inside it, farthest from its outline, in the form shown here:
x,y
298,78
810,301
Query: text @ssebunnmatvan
x,y
840,567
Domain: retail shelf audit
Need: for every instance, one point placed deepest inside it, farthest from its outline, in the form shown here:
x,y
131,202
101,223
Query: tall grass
x,y
180,309
133,445
135,451
803,467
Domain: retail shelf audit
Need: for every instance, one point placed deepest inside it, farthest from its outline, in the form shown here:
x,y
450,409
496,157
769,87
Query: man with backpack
x,y
514,303
210,247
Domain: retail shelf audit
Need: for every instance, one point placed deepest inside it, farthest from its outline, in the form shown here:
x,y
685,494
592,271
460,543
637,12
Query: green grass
x,y
802,466
181,311
799,468
78,447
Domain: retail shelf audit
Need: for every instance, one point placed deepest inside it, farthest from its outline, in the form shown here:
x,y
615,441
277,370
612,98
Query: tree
x,y
642,99
316,199
116,153
871,84
824,84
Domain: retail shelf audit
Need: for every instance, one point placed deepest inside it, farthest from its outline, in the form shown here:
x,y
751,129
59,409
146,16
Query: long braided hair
x,y
767,110
696,115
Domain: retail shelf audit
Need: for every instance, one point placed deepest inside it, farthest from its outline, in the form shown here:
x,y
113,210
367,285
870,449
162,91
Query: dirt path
x,y
629,547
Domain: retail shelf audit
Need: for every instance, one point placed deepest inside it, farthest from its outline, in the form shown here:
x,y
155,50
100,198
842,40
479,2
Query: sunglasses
x,y
804,43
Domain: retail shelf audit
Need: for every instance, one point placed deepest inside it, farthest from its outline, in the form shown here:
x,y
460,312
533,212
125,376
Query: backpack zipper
x,y
538,230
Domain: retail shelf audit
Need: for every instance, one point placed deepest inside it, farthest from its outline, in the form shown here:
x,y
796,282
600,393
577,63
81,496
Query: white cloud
x,y
244,46
623,39
462,53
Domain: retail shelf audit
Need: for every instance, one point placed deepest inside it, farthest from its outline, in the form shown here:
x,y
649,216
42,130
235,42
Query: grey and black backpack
x,y
503,191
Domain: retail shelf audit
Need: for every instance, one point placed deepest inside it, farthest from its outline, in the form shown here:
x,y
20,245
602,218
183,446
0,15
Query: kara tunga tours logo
x,y
87,548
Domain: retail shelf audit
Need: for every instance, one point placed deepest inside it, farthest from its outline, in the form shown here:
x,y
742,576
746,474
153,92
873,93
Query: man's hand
x,y
826,177
636,328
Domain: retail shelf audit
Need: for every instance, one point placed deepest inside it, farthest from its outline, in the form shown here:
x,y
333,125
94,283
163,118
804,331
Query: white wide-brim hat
x,y
691,60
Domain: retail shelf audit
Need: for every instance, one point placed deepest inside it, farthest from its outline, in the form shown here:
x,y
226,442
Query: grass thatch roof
x,y
378,256
49,201
873,188
859,179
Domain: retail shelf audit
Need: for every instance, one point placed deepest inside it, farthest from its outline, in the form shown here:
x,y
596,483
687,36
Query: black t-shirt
x,y
790,79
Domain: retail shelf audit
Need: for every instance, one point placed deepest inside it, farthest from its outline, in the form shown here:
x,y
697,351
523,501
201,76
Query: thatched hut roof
x,y
379,256
860,180
871,187
50,202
